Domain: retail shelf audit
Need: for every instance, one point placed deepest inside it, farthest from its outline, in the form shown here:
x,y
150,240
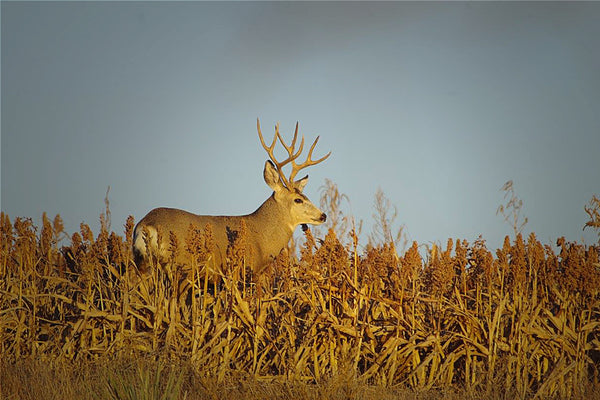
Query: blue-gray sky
x,y
437,104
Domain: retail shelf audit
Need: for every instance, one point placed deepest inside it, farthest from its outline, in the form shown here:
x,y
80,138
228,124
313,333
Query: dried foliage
x,y
522,319
333,202
511,211
385,215
593,212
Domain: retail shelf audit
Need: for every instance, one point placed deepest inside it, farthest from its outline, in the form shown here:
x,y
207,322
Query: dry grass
x,y
464,322
150,379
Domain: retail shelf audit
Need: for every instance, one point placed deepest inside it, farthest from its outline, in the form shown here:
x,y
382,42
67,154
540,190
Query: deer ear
x,y
272,176
300,183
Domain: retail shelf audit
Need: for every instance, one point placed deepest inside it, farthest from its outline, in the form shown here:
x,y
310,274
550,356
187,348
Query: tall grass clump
x,y
522,320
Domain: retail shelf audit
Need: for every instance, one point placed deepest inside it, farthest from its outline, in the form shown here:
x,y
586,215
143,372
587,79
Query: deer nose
x,y
323,217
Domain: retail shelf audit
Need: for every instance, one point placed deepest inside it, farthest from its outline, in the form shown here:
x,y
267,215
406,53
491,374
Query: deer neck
x,y
274,221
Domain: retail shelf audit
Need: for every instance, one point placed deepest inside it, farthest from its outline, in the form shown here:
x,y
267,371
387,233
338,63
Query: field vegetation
x,y
330,319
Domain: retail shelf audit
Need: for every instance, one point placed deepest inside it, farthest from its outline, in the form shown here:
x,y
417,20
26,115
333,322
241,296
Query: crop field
x,y
332,319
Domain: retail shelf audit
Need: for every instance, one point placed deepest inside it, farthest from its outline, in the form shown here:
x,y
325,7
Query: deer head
x,y
288,191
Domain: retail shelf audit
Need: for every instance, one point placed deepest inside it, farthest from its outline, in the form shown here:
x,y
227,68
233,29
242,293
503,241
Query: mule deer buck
x,y
268,229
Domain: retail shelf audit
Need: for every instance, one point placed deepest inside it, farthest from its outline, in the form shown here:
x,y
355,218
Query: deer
x,y
268,229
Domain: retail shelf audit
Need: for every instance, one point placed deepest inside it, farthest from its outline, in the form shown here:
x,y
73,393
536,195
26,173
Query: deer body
x,y
268,229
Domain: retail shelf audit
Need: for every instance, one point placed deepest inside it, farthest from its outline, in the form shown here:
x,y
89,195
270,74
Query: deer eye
x,y
298,201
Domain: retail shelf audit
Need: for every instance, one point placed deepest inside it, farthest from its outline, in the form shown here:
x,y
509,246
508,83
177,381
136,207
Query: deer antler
x,y
309,161
270,150
292,154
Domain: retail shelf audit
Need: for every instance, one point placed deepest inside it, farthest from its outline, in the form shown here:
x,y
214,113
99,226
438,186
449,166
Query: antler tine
x,y
270,148
309,161
290,149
